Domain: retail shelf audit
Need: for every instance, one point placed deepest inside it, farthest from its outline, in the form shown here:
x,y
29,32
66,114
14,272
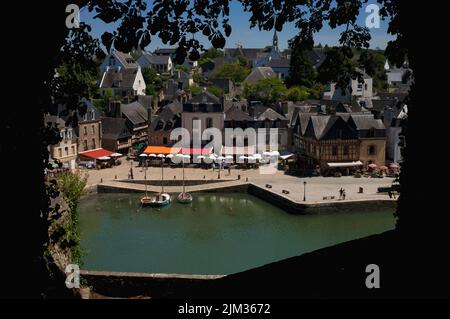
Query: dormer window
x,y
63,134
69,134
112,61
160,125
92,115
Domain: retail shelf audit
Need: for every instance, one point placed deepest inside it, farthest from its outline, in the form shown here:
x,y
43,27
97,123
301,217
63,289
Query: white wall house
x,y
117,60
123,82
162,63
393,133
66,151
358,90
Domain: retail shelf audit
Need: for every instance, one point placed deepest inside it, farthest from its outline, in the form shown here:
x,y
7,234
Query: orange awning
x,y
160,150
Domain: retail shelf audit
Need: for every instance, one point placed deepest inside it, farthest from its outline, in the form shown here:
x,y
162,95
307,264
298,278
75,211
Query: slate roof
x,y
155,59
248,53
54,120
165,51
380,105
367,122
64,114
270,114
134,112
126,77
319,123
125,58
279,63
114,128
235,114
260,73
205,97
399,96
169,116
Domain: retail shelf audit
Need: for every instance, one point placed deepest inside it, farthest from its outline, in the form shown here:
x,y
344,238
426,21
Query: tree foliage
x,y
210,55
153,80
268,91
217,91
233,71
301,72
297,93
372,62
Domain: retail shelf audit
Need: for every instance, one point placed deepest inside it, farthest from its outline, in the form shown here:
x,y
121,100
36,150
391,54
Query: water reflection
x,y
216,234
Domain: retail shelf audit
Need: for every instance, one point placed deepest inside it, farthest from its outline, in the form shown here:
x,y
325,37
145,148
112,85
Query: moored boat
x,y
183,197
162,199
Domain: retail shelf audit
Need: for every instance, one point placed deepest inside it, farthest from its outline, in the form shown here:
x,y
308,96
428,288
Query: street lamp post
x,y
304,191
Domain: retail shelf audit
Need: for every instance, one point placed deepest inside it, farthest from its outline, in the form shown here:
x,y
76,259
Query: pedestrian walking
x,y
343,194
229,170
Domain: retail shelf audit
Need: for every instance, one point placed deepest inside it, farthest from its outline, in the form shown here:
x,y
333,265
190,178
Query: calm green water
x,y
216,234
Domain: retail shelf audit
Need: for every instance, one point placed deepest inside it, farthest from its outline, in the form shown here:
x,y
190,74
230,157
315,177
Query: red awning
x,y
195,151
94,154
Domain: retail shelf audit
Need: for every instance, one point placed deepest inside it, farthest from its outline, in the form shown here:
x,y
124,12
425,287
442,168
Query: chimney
x,y
284,108
149,119
251,111
114,109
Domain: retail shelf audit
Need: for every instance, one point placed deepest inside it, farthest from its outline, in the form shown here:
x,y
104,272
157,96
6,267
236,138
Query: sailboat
x,y
183,197
161,199
146,199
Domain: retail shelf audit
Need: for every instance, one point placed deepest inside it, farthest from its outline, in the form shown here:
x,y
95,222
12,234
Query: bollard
x,y
361,190
239,176
101,180
246,179
115,177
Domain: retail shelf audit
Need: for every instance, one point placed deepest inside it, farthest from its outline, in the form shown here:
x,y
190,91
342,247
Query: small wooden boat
x,y
160,200
184,198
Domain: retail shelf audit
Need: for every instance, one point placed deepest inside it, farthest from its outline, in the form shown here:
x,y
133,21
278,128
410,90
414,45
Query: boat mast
x,y
183,177
145,177
162,175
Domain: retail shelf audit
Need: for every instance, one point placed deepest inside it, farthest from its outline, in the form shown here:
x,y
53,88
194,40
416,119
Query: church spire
x,y
275,39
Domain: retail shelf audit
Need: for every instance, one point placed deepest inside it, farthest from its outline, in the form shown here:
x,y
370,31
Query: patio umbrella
x,y
394,165
372,165
104,158
201,157
274,153
220,159
152,155
251,158
229,158
257,156
143,155
242,157
267,153
161,156
116,155
170,156
383,168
